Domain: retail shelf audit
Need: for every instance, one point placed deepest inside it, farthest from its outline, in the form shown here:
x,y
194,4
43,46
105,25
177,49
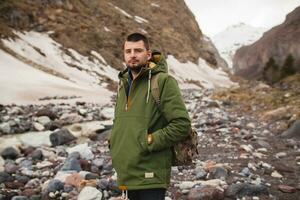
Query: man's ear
x,y
149,54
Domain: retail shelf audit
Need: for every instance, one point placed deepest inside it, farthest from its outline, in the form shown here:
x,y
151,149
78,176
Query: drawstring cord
x,y
149,86
125,195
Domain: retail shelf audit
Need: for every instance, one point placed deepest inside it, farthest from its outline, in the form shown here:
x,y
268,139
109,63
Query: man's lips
x,y
133,61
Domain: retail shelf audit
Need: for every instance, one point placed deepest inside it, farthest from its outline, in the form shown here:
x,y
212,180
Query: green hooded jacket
x,y
140,165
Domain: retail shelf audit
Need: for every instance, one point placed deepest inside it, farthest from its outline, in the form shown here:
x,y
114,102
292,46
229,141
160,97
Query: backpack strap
x,y
155,89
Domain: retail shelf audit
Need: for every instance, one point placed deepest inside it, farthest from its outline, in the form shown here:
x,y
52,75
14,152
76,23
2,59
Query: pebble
x,y
89,193
275,174
43,120
286,189
83,149
55,185
280,155
37,126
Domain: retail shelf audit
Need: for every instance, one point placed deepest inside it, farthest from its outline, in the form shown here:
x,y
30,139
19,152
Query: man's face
x,y
136,55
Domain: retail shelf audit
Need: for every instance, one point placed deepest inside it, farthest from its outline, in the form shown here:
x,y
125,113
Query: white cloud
x,y
215,15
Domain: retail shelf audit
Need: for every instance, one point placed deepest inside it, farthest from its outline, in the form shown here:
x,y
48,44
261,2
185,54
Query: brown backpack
x,y
185,150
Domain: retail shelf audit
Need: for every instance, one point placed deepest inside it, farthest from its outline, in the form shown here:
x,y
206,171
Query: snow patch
x,y
123,12
155,5
68,74
107,29
140,19
189,74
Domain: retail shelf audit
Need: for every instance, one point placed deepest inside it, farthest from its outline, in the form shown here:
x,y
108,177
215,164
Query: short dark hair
x,y
135,37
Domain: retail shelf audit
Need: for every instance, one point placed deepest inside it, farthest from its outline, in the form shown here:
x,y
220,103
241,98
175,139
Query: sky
x,y
214,16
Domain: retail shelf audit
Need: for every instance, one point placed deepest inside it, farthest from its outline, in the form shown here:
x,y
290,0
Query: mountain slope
x,y
81,42
278,43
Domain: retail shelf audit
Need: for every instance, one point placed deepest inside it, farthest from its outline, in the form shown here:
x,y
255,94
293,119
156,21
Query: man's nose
x,y
132,54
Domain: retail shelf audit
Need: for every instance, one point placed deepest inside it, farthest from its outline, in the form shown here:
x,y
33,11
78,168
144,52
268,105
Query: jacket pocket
x,y
142,140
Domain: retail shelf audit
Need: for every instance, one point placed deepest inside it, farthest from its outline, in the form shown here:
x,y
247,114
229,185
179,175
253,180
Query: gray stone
x,y
55,185
10,153
83,149
218,173
48,112
21,178
200,173
26,164
61,137
4,177
92,176
245,172
246,189
11,168
293,131
70,118
37,154
205,193
71,164
43,120
5,127
99,162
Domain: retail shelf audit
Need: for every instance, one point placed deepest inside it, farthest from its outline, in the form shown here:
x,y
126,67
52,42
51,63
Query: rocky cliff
x,y
102,26
278,46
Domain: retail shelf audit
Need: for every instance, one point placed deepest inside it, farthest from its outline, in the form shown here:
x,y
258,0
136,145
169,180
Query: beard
x,y
136,67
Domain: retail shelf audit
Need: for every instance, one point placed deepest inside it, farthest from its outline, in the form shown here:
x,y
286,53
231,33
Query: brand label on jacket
x,y
149,175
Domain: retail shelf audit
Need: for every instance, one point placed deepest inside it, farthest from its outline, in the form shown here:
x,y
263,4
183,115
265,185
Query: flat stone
x,y
245,189
205,193
36,139
286,189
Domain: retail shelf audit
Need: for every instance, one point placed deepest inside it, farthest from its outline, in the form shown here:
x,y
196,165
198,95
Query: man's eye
x,y
127,51
139,50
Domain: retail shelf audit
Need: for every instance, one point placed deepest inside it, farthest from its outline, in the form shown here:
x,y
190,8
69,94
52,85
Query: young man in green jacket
x,y
144,132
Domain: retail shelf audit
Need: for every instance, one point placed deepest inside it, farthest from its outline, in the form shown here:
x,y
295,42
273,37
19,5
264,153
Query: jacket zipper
x,y
131,86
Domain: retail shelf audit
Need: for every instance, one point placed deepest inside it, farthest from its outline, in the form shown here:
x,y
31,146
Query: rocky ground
x,y
62,153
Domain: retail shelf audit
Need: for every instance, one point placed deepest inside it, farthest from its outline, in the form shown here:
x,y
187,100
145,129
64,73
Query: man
x,y
144,132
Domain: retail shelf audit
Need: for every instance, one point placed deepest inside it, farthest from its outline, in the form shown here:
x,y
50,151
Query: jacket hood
x,y
156,64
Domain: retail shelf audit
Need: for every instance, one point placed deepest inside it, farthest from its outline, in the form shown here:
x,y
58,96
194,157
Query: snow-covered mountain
x,y
234,37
